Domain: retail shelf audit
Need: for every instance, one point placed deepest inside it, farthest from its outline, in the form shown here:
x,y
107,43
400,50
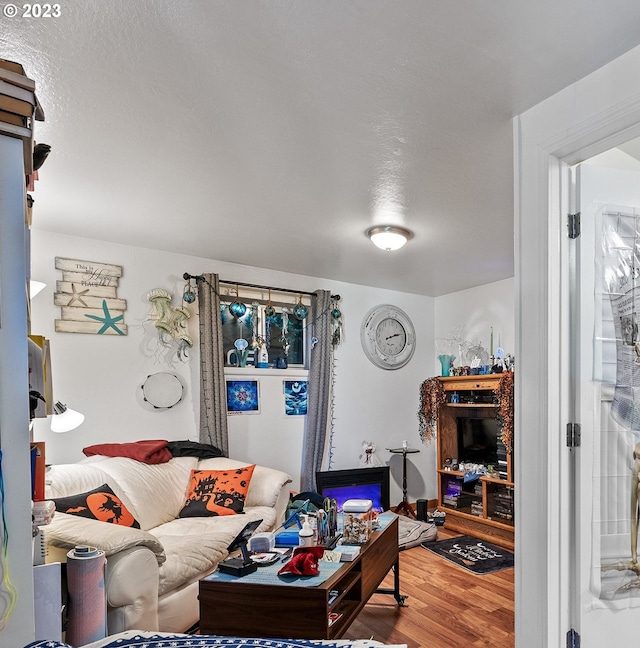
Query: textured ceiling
x,y
275,133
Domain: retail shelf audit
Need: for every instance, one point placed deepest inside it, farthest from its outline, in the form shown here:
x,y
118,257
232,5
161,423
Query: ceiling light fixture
x,y
65,419
389,237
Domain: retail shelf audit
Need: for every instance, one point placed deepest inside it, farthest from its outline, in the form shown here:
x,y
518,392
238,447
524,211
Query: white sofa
x,y
153,572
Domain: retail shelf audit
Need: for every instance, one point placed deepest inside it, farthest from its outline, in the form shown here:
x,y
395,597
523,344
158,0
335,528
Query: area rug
x,y
476,555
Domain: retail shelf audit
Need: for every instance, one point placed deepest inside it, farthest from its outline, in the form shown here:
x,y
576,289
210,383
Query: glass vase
x,y
446,361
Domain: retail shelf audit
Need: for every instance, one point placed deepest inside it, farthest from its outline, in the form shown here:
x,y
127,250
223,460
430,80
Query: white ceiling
x,y
274,133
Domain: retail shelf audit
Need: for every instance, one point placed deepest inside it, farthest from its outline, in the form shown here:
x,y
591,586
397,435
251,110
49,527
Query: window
x,y
255,325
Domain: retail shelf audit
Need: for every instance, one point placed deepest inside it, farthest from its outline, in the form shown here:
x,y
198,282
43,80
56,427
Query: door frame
x,y
593,115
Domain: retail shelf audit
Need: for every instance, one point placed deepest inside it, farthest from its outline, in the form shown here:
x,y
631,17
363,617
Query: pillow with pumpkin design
x,y
217,492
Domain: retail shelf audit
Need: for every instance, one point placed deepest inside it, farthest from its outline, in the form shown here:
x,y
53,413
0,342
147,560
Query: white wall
x,y
102,375
477,310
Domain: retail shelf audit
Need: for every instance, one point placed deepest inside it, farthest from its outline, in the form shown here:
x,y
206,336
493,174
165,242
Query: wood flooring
x,y
448,606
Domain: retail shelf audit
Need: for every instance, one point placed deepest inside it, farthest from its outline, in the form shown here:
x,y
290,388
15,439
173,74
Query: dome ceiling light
x,y
389,237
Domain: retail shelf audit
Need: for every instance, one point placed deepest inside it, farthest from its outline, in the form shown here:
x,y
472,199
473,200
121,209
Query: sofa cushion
x,y
68,479
68,531
194,546
100,504
155,490
217,492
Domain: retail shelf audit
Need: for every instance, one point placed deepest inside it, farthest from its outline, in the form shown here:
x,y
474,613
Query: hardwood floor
x,y
448,607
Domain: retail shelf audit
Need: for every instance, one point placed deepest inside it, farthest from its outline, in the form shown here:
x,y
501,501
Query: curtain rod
x,y
186,276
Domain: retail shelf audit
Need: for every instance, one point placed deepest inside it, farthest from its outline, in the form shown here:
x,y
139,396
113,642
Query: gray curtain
x,y
318,421
213,398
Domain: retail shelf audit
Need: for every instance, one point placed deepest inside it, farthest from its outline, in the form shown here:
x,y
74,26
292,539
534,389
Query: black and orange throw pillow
x,y
217,492
99,504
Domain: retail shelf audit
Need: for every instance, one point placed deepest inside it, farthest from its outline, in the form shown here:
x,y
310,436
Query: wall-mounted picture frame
x,y
87,298
243,397
295,397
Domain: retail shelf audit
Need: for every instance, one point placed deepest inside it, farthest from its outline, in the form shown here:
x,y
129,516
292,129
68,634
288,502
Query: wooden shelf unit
x,y
483,508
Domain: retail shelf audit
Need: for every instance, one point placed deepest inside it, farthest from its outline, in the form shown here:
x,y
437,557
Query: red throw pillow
x,y
99,504
217,492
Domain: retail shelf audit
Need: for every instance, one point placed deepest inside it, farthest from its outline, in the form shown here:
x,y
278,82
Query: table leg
x,y
404,506
404,475
400,598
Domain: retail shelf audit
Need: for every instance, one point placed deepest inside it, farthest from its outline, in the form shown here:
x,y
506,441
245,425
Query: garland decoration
x,y
504,399
432,395
331,416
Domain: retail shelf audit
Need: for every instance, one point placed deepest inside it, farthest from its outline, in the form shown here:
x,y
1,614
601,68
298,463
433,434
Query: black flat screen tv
x,y
357,483
478,441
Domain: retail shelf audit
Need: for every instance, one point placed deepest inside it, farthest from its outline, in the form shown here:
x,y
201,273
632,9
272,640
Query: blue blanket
x,y
195,641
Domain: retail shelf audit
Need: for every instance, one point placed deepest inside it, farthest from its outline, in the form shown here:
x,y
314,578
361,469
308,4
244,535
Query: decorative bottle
x,y
306,536
263,357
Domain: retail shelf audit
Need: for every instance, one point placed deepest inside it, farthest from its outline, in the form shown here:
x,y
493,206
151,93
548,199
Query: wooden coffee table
x,y
244,609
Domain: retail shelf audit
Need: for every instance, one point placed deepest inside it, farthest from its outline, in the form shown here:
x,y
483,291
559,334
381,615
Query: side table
x,y
404,506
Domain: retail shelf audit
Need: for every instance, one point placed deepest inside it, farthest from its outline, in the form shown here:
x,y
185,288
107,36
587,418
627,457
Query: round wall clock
x,y
388,337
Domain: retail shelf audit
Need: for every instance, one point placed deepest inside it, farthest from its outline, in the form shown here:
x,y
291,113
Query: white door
x,y
606,366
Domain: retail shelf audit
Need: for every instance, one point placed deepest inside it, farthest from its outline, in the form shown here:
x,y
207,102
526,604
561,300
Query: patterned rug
x,y
476,555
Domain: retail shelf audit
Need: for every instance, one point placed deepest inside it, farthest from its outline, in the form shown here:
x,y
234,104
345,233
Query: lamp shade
x,y
65,419
389,237
35,287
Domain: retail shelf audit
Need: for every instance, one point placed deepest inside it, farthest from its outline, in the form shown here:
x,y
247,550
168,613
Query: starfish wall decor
x,y
108,320
87,296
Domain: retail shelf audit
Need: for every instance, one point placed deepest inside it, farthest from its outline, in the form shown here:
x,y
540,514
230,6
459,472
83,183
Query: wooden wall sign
x,y
87,298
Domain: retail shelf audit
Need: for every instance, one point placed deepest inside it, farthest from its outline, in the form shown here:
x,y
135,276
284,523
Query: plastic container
x,y
356,521
306,535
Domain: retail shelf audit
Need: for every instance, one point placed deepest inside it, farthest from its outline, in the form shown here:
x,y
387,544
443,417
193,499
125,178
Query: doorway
x,y
607,366
595,114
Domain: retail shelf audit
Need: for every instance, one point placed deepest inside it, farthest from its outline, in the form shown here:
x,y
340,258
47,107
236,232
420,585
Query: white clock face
x,y
391,337
388,337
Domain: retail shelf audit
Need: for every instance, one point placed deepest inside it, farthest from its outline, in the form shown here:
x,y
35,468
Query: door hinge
x,y
573,225
573,639
573,435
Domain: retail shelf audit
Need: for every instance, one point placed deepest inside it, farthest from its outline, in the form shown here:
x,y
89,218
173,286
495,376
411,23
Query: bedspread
x,y
135,639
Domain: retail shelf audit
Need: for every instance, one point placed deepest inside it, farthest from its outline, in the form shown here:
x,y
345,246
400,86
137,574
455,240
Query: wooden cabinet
x,y
469,431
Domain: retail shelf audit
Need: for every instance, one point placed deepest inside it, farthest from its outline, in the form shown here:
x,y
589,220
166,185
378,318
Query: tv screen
x,y
478,441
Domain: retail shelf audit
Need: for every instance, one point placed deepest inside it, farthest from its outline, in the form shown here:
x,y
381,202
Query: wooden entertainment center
x,y
484,507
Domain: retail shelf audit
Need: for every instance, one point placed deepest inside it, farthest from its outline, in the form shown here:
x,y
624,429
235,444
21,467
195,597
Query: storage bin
x,y
356,520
